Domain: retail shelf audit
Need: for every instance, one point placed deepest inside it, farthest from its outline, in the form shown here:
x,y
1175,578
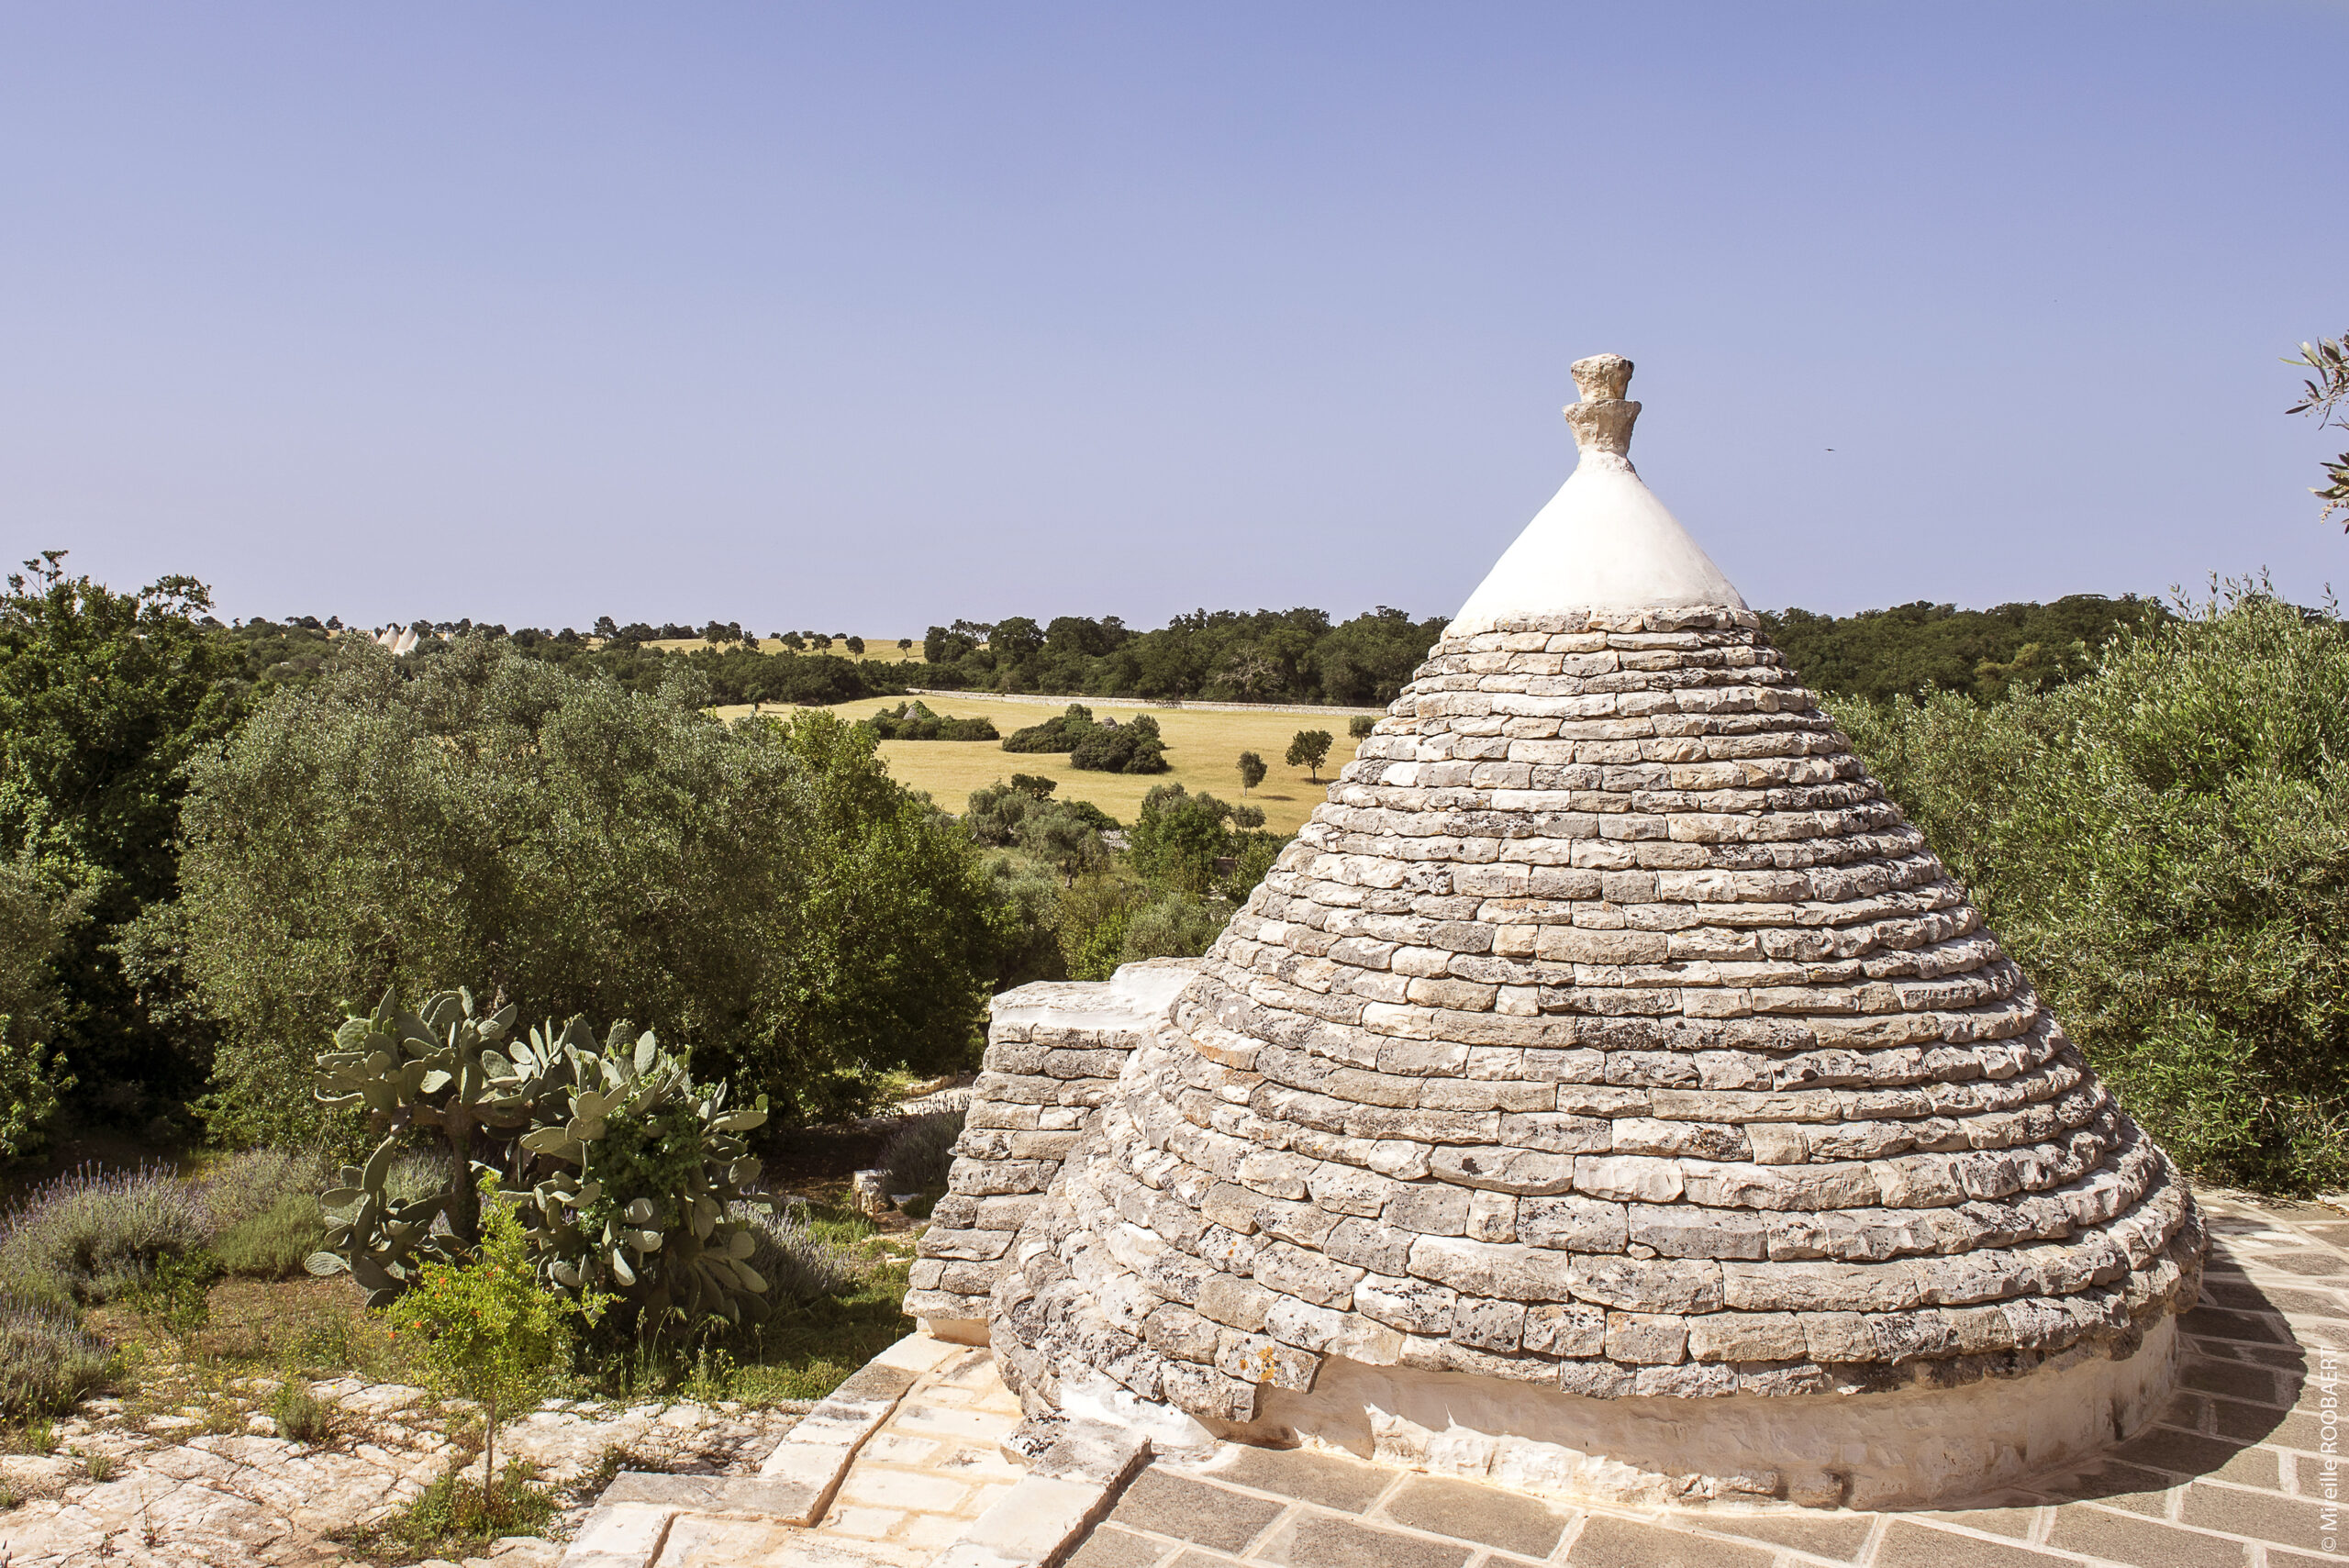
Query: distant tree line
x,y
1913,650
1273,656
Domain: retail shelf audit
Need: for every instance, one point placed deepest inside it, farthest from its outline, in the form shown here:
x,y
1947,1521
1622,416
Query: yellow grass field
x,y
1202,748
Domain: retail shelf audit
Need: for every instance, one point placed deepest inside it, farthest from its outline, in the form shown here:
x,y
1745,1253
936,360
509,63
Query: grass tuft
x,y
301,1415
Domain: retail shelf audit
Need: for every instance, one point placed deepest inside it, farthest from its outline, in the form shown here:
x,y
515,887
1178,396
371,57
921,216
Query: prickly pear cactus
x,y
632,1177
438,1067
648,1175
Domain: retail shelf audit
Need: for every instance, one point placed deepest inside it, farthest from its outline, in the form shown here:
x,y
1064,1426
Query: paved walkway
x,y
2237,1475
917,1484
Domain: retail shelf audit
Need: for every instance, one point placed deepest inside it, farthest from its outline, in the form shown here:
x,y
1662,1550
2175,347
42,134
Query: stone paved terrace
x,y
2235,1477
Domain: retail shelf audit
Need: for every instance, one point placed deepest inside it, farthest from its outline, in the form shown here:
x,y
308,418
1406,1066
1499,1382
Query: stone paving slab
x,y
2241,1472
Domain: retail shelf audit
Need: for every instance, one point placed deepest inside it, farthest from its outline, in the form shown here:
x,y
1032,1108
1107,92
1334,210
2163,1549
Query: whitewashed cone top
x,y
1604,541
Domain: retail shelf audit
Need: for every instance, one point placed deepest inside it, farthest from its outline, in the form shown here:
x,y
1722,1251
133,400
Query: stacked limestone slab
x,y
1055,1049
1609,1091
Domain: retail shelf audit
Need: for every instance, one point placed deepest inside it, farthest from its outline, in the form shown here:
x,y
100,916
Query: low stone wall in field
x,y
1053,1051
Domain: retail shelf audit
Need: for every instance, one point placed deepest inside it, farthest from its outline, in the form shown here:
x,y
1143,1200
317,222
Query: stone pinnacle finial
x,y
1602,421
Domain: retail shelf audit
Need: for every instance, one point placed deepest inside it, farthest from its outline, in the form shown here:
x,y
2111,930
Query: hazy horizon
x,y
866,320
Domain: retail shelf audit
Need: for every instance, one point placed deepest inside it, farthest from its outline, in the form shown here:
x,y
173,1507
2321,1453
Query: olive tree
x,y
764,893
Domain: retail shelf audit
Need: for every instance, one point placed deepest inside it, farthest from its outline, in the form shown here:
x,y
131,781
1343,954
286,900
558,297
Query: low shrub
x,y
176,1295
262,1208
47,1362
248,1186
920,1152
90,1236
798,1265
915,721
1060,734
272,1245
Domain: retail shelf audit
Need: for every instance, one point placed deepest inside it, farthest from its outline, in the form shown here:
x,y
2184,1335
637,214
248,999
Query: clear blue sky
x,y
866,316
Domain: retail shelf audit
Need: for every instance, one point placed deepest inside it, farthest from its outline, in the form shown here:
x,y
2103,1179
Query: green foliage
x,y
915,721
47,1362
254,1184
90,1236
919,1151
1309,748
486,1330
273,1244
176,1295
104,698
633,1170
2164,846
1361,725
1133,747
763,890
1103,746
1034,785
1174,925
1179,837
1261,656
1057,734
1063,834
1911,650
2326,396
30,1087
260,1208
1251,771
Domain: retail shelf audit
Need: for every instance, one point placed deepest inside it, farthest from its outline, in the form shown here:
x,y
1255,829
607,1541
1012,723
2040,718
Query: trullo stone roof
x,y
1607,1068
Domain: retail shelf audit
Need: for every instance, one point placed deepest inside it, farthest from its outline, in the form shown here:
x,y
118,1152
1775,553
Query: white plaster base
x,y
956,1330
1915,1448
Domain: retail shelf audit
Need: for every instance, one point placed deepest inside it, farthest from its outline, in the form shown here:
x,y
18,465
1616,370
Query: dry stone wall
x,y
1055,1049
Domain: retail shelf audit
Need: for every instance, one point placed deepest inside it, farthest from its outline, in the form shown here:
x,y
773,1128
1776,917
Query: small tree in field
x,y
1251,771
1308,751
488,1331
1361,725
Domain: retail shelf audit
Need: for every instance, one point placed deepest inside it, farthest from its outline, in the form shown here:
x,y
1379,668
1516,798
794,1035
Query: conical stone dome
x,y
1608,1090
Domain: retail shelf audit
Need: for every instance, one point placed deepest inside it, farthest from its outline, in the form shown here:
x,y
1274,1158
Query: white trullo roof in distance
x,y
1604,541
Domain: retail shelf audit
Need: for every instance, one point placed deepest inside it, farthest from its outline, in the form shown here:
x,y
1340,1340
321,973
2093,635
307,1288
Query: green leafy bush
x,y
915,721
90,1236
1133,747
47,1362
487,1330
2163,844
176,1295
1057,734
1174,925
274,1245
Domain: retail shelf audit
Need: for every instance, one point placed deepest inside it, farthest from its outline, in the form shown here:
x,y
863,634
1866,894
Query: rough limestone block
x,y
627,1535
